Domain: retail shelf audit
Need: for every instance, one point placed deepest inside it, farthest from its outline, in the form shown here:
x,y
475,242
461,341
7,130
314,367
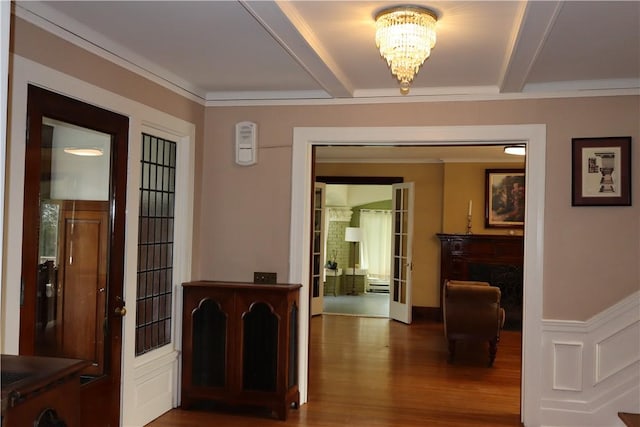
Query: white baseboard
x,y
592,368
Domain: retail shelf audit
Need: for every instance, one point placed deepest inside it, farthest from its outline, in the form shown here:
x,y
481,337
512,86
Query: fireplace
x,y
496,259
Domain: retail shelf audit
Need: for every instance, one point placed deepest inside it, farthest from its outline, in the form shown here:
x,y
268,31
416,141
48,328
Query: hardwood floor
x,y
377,372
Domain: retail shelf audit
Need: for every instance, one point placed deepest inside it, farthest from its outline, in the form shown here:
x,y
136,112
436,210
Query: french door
x,y
73,243
401,252
317,251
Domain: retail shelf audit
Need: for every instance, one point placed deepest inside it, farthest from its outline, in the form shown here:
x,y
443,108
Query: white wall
x,y
356,195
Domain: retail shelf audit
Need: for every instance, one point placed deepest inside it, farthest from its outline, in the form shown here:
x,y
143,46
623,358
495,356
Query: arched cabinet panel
x,y
240,344
260,348
209,345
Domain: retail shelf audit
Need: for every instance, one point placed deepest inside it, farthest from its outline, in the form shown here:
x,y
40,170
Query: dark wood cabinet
x,y
239,344
497,259
41,391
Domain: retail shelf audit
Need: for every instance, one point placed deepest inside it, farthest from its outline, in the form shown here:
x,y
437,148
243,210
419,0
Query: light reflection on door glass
x,y
73,243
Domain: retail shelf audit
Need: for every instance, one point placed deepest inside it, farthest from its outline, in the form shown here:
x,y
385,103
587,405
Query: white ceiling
x,y
415,154
230,52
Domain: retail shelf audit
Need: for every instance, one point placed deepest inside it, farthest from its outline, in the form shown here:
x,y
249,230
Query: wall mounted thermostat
x,y
246,147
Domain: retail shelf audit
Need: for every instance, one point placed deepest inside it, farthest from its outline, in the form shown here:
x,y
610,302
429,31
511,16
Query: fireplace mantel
x,y
496,259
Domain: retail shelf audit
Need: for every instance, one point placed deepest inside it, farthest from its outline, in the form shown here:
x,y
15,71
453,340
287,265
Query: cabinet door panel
x,y
260,348
209,345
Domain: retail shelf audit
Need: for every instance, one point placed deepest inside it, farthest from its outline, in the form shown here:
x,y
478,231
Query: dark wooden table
x,y
32,384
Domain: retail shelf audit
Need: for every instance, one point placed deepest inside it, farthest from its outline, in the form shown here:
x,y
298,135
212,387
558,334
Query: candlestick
x,y
469,224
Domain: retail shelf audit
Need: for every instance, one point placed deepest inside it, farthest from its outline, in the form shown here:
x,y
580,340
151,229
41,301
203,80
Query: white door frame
x,y
534,136
5,23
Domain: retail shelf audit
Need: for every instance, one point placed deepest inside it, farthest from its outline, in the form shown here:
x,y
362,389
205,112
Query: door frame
x,y
534,136
139,403
43,103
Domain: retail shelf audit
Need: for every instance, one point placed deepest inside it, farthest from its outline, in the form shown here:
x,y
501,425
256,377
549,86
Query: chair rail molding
x,y
594,366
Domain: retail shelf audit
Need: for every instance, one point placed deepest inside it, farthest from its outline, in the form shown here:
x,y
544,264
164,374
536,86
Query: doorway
x,y
534,136
357,274
73,243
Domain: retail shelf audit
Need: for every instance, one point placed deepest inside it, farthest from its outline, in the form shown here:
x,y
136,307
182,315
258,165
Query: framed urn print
x,y
601,171
504,198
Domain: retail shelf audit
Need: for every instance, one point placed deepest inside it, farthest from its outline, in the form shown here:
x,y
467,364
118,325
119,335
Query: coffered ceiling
x,y
230,52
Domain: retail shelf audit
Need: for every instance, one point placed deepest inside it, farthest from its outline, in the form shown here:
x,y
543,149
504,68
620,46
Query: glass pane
x,y
316,243
73,243
316,286
79,162
155,242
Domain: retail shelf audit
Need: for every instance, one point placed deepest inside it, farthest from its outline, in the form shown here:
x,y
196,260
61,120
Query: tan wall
x,y
242,214
591,253
464,182
35,44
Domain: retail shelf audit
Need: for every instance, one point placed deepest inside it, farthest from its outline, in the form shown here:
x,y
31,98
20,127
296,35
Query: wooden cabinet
x,y
497,259
239,344
41,391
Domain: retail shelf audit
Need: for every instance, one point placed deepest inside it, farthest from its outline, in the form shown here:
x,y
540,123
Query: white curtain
x,y
375,249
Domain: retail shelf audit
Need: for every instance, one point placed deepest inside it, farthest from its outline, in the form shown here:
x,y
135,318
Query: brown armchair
x,y
472,312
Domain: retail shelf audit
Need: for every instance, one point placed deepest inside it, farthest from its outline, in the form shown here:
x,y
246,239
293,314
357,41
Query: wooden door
x,y
82,284
73,244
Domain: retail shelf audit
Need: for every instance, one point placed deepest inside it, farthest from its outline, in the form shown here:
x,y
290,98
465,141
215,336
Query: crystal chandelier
x,y
405,36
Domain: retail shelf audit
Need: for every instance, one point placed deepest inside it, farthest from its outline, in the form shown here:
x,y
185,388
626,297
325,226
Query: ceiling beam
x,y
537,20
285,25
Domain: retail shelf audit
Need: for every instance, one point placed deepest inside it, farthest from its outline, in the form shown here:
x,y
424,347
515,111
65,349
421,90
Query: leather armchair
x,y
472,312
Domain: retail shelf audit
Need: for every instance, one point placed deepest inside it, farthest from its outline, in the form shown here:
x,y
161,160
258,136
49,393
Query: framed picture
x,y
504,198
601,171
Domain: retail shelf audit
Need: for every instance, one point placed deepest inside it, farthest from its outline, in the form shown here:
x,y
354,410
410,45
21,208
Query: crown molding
x,y
44,17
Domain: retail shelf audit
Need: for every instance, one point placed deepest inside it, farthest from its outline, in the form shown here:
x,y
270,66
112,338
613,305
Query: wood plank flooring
x,y
374,372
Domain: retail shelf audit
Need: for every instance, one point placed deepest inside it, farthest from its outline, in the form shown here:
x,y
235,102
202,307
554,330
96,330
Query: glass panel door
x,y
317,254
401,250
72,243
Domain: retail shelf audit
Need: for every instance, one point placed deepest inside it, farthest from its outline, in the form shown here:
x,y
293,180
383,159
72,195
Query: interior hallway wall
x,y
573,268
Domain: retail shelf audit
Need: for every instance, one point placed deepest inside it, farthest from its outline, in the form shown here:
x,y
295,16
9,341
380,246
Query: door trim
x,y
534,136
43,103
154,366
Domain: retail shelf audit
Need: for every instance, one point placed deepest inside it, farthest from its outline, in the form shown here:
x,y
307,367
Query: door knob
x,y
121,311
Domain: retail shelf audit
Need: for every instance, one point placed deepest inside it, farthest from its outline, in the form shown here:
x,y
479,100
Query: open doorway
x,y
357,274
534,136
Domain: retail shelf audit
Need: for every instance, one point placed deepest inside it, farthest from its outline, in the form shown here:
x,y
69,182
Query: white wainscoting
x,y
155,381
593,366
